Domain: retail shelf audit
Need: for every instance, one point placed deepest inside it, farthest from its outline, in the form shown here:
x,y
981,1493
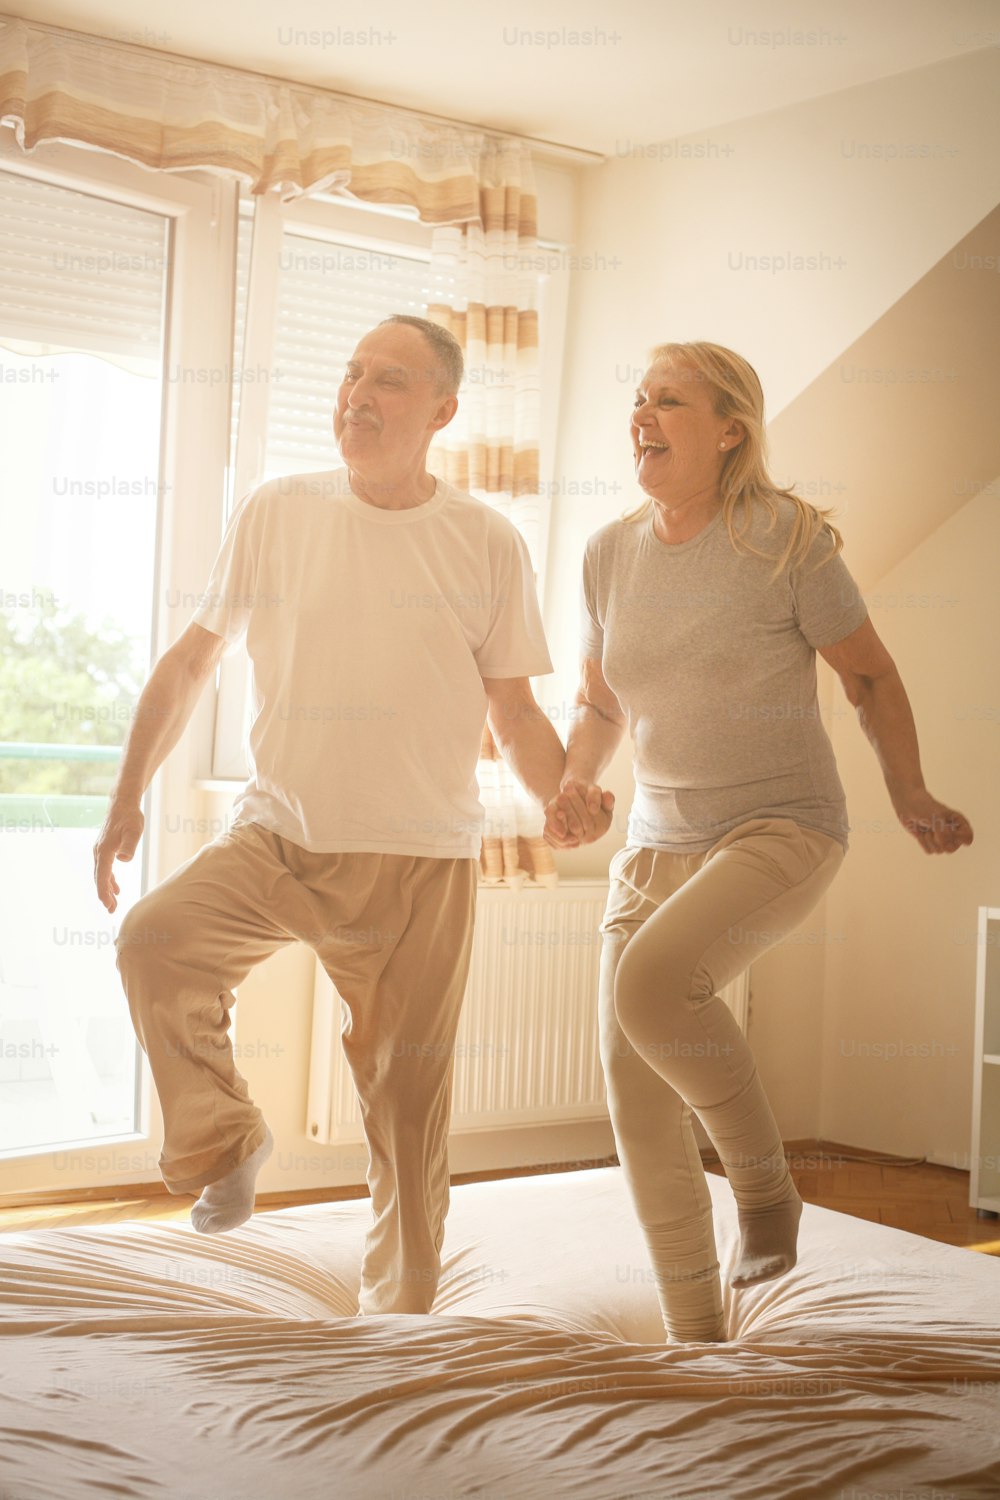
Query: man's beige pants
x,y
394,933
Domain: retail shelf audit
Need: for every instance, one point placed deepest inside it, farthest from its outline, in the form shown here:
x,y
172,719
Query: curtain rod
x,y
551,148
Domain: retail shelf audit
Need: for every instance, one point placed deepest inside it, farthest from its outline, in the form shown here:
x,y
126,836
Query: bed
x,y
149,1361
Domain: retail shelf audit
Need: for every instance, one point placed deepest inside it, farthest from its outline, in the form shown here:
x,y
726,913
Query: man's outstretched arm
x,y
162,713
525,736
529,744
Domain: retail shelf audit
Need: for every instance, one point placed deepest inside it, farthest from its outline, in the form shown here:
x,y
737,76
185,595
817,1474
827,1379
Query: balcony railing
x,y
28,812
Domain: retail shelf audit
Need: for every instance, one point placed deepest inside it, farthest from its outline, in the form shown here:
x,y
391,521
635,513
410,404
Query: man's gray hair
x,y
445,346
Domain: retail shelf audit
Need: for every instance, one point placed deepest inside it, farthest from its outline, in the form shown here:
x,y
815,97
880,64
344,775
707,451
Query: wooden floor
x,y
922,1198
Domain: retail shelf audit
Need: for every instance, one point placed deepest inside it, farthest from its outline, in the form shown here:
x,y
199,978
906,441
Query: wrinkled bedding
x,y
150,1361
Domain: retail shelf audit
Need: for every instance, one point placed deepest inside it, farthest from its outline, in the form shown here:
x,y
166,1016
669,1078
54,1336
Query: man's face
x,y
390,402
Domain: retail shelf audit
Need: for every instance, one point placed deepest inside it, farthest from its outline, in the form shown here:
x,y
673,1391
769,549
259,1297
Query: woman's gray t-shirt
x,y
714,665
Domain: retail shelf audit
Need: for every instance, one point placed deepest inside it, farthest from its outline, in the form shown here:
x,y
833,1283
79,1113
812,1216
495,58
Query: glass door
x,y
82,295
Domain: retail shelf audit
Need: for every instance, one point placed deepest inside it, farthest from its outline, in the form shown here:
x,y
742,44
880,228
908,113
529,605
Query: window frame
x,y
201,209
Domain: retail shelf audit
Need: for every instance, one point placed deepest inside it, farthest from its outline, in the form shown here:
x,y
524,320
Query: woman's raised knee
x,y
647,986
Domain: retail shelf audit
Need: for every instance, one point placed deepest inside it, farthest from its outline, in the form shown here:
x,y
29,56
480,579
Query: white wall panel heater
x,y
527,1048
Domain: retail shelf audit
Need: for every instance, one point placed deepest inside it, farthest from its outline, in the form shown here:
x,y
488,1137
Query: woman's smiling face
x,y
679,439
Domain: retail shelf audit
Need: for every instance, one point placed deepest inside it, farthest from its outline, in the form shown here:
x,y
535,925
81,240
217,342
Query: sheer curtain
x,y
491,449
489,264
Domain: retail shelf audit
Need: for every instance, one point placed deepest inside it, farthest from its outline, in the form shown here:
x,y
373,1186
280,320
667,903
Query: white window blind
x,y
99,284
329,296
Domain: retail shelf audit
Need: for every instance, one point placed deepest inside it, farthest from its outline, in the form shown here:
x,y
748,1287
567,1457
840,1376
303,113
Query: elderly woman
x,y
704,610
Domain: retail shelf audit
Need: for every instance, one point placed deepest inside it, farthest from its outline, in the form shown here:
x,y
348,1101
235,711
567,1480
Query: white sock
x,y
229,1201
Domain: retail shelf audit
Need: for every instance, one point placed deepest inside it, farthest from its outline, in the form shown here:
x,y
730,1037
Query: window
x,y
175,397
312,278
82,295
103,510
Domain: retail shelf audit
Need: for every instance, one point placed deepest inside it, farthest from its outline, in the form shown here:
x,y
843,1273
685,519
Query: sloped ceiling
x,y
902,429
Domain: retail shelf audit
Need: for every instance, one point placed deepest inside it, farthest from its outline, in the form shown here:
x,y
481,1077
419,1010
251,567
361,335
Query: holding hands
x,y
578,814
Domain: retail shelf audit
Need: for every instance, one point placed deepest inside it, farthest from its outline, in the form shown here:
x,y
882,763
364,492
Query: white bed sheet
x,y
150,1361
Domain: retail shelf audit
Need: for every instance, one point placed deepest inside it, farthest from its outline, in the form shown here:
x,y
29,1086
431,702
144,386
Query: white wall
x,y
667,239
898,1024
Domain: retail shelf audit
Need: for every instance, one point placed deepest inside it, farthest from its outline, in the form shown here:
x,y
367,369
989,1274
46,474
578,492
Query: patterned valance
x,y
173,114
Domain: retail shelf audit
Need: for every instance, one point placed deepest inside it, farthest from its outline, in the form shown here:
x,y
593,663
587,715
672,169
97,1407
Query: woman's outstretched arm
x,y
875,688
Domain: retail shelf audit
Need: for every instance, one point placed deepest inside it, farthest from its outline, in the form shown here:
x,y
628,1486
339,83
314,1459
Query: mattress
x,y
149,1361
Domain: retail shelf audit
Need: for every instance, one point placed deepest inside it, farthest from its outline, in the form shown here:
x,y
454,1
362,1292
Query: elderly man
x,y
387,616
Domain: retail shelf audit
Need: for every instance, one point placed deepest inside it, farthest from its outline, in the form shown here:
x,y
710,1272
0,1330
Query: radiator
x,y
527,1047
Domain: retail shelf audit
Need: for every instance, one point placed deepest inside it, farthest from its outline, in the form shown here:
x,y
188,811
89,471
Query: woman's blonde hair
x,y
738,394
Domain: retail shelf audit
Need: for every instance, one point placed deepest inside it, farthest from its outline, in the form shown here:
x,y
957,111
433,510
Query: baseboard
x,y
802,1153
812,1152
135,1191
113,1193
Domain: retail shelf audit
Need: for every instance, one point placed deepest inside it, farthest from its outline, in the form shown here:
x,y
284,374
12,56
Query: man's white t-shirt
x,y
370,632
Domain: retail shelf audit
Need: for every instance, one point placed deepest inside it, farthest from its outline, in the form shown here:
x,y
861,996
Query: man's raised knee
x,y
142,938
